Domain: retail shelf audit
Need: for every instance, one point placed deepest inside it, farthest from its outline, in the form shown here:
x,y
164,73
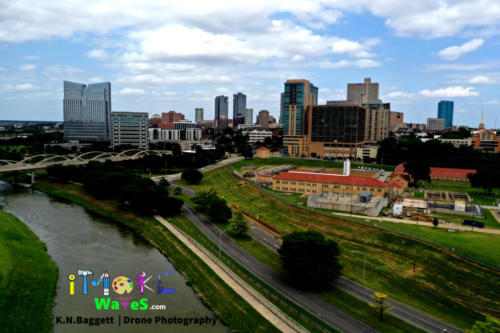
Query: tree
x,y
490,325
215,208
240,225
246,151
435,222
218,211
486,177
203,198
164,182
192,176
310,261
380,304
418,170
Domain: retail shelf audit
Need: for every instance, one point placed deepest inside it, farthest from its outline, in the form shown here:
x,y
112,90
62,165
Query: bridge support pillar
x,y
32,177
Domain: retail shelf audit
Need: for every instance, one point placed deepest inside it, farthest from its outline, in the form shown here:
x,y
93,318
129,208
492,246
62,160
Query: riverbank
x,y
230,307
28,279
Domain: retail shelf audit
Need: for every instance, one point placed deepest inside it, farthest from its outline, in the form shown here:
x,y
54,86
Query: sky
x,y
179,55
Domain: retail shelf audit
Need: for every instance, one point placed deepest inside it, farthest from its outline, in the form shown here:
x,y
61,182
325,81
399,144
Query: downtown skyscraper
x,y
239,105
298,95
445,111
87,112
221,110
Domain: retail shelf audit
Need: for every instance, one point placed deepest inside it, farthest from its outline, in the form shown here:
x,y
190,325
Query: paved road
x,y
329,314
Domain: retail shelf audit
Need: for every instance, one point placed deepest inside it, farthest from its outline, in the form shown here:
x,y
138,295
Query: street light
x,y
220,240
364,261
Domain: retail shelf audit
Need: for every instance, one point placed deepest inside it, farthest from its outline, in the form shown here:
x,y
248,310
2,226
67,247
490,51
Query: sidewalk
x,y
261,304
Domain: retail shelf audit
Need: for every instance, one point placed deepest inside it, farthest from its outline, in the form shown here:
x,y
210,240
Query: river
x,y
78,240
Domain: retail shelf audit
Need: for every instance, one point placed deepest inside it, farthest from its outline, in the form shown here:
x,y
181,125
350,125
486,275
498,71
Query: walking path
x,y
262,305
445,225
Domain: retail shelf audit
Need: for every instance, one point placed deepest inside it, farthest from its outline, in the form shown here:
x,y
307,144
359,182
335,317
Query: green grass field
x,y
480,247
28,279
443,285
228,305
257,162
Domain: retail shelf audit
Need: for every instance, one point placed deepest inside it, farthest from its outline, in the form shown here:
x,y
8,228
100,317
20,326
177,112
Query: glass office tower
x,y
298,95
239,105
87,112
445,111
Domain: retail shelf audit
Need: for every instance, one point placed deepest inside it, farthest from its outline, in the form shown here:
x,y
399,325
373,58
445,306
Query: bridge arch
x,y
27,159
128,151
49,159
8,162
109,154
83,157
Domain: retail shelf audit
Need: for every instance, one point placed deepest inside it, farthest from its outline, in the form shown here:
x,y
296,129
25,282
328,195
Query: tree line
x,y
110,181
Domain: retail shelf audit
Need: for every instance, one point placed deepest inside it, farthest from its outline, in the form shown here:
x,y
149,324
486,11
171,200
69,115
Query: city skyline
x,y
416,64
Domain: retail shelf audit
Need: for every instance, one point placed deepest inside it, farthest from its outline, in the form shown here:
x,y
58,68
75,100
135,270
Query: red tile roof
x,y
400,168
447,172
403,175
395,183
262,148
328,178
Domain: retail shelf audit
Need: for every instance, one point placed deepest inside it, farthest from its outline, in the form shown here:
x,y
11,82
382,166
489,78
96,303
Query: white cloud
x,y
131,91
34,20
25,86
457,67
95,79
27,67
481,79
361,63
31,57
492,102
454,52
449,92
399,95
97,54
2,69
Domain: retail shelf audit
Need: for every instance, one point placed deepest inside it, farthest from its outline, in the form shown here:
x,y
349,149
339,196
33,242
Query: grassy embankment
x,y
228,305
480,247
340,299
28,279
443,284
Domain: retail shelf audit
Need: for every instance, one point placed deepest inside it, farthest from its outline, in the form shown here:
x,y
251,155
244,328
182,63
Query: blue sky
x,y
179,55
